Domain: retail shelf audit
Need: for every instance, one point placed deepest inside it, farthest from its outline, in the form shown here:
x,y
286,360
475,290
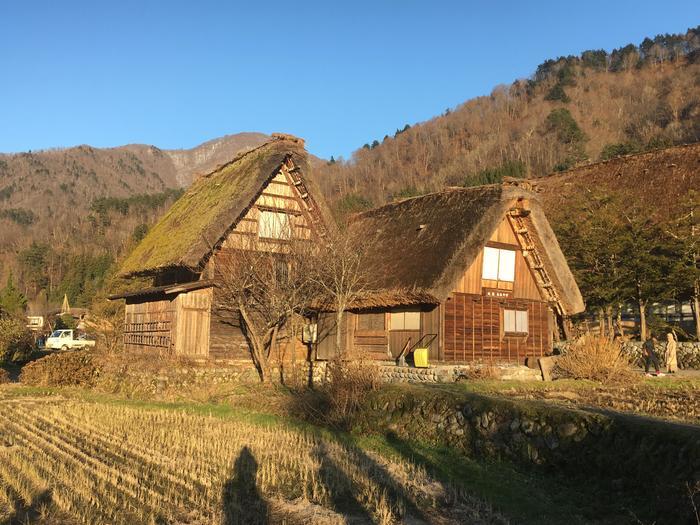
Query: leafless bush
x,y
596,358
342,394
266,293
107,324
4,376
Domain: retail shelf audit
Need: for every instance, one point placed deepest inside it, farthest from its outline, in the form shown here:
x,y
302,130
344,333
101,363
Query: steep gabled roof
x,y
213,205
423,245
657,180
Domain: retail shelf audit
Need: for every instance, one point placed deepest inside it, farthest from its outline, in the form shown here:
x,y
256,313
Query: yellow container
x,y
420,358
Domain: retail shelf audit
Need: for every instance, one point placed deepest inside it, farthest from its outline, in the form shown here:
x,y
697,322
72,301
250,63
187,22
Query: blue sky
x,y
175,73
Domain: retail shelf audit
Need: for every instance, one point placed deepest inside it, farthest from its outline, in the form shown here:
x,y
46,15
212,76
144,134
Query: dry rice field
x,y
75,461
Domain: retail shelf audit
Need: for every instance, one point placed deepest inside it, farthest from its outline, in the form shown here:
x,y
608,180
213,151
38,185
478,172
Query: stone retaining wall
x,y
243,372
619,453
453,373
688,352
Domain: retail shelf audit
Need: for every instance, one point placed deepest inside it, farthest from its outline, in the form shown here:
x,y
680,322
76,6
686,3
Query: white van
x,y
67,340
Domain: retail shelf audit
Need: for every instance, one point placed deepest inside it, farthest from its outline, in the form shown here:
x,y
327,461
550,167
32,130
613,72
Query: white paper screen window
x,y
515,321
499,265
405,320
490,263
506,265
274,225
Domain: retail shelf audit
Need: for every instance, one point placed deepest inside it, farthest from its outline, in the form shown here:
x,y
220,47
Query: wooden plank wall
x,y
279,195
430,324
327,330
473,329
148,325
524,287
192,326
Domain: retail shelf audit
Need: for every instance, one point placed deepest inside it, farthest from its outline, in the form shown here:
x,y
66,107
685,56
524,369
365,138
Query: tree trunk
x,y
642,319
608,315
338,331
696,309
274,351
601,322
619,321
258,347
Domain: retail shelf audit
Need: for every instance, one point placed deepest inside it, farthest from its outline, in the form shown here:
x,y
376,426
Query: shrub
x,y
596,358
16,342
344,392
4,376
64,369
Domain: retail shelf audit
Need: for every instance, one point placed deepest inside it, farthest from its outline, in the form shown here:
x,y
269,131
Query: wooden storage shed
x,y
477,268
263,199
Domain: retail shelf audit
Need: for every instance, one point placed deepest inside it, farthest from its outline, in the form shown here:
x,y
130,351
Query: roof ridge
x,y
274,138
618,158
447,189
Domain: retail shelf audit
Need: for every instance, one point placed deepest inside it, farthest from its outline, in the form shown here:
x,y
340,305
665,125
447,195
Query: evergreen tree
x,y
11,299
557,93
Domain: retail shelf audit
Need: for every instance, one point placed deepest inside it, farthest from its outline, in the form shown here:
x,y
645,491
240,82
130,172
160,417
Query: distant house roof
x,y
213,205
420,247
657,180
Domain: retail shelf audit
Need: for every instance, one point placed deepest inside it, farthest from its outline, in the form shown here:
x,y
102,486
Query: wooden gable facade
x,y
501,303
262,228
182,315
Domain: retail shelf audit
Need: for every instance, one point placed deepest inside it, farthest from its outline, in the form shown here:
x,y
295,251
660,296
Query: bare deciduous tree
x,y
267,292
342,275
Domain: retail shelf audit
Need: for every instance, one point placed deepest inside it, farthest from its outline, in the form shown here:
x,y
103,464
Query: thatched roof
x,y
167,289
423,245
213,205
657,180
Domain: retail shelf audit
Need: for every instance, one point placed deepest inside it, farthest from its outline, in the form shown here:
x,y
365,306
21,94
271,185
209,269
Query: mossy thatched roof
x,y
213,205
423,245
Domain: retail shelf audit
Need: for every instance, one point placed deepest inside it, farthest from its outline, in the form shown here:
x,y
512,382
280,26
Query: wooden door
x,y
193,323
398,338
326,335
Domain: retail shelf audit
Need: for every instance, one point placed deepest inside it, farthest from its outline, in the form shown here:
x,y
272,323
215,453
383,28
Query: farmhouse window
x,y
515,321
499,264
371,322
405,320
274,225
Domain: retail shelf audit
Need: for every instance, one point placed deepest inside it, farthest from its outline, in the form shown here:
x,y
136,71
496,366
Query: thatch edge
x,y
573,300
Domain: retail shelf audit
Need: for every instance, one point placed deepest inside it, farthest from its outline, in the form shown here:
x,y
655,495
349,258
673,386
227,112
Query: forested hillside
x,y
66,214
572,111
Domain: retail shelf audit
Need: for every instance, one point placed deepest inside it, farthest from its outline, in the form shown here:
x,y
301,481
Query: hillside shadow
x,y
241,500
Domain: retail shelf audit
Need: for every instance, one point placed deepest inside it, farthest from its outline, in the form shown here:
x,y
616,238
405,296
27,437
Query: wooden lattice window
x,y
371,322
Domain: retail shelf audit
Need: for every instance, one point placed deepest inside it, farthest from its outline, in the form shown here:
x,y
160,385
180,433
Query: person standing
x,y
671,353
649,355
